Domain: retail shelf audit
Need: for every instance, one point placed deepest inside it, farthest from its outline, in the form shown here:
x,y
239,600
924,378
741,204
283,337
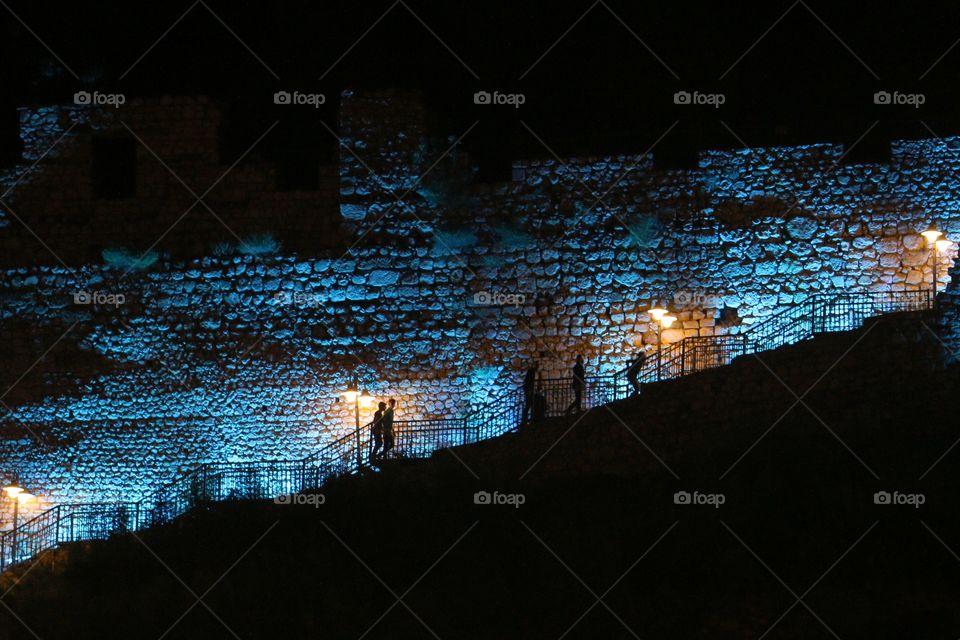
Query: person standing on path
x,y
529,390
387,422
376,430
579,382
633,372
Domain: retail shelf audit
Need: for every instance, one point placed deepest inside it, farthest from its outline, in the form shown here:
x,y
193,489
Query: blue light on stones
x,y
177,386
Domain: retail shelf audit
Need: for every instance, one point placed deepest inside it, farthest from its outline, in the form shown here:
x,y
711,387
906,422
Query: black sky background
x,y
598,90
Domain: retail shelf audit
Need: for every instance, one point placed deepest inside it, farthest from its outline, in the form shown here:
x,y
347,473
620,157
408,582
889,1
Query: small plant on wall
x,y
453,240
447,182
223,249
645,230
120,258
259,244
512,237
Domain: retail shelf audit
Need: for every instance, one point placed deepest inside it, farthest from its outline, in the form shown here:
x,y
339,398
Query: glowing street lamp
x,y
12,490
357,397
18,496
939,244
932,234
658,312
664,321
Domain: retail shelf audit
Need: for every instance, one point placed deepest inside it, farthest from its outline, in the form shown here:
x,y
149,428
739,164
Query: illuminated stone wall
x,y
440,299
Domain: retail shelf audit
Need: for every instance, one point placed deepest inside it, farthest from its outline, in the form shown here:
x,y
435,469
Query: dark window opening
x,y
298,171
11,146
114,169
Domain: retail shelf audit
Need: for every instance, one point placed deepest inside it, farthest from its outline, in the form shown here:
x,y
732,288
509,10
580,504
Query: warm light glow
x,y
23,496
365,399
350,395
931,234
658,312
666,321
944,245
12,490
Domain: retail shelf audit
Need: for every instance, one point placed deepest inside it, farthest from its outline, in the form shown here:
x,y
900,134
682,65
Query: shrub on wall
x,y
259,244
644,229
446,241
447,181
120,258
223,249
511,237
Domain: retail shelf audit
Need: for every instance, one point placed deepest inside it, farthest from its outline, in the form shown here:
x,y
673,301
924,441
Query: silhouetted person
x,y
579,382
633,372
376,430
529,389
539,405
387,422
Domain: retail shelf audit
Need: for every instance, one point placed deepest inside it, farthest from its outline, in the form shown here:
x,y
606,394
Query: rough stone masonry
x,y
424,285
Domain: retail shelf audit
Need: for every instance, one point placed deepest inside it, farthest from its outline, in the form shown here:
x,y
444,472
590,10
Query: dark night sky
x,y
597,90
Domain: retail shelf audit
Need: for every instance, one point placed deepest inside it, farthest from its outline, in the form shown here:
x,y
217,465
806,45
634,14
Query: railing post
x,y
813,316
202,493
359,452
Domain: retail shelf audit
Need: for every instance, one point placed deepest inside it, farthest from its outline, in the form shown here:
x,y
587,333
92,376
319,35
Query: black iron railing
x,y
420,438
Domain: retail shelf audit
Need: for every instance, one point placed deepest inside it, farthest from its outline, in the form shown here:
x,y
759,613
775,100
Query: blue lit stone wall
x,y
240,358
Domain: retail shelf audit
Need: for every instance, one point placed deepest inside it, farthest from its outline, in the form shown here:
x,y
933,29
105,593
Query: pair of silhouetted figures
x,y
382,429
535,399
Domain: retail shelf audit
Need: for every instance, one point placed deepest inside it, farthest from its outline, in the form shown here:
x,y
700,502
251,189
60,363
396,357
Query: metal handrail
x,y
212,482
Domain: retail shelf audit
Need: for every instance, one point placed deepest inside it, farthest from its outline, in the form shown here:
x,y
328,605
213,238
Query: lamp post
x,y
939,245
664,321
354,395
17,494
